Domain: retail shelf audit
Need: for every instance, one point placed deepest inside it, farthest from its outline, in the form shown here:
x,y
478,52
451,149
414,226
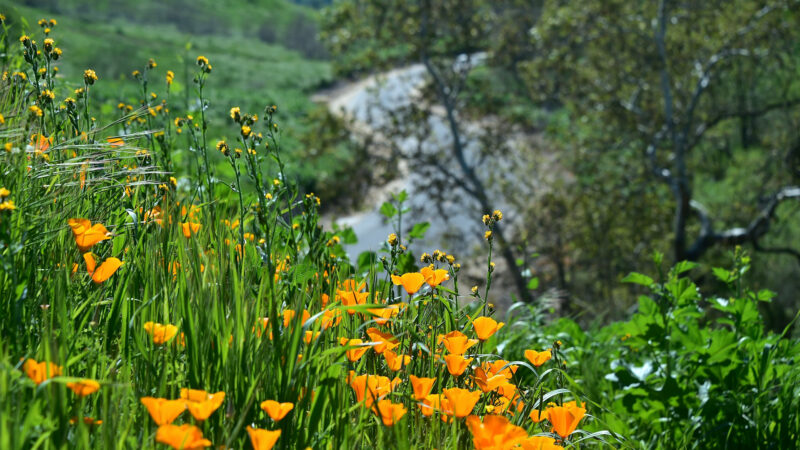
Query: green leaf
x,y
684,266
401,197
388,210
348,236
366,260
418,230
533,283
722,274
638,278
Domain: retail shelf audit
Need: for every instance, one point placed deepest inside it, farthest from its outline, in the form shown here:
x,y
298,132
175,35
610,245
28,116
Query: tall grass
x,y
260,295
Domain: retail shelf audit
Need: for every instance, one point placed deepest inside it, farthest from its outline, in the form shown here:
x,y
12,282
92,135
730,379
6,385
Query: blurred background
x,y
604,130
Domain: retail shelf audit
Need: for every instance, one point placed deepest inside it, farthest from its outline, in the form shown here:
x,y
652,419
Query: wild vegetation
x,y
166,280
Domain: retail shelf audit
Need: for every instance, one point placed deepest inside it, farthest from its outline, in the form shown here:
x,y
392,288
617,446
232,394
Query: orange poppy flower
x,y
394,361
369,388
507,390
384,341
310,336
386,313
358,350
160,333
422,386
352,286
485,327
538,358
200,403
106,269
457,342
456,364
330,318
289,314
434,277
40,371
540,443
565,418
84,387
488,382
537,416
86,420
429,404
276,411
84,167
163,411
352,298
411,281
494,432
462,400
186,437
115,141
390,413
500,367
87,235
190,228
263,439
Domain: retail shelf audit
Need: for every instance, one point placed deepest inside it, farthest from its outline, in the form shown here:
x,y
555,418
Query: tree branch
x,y
757,228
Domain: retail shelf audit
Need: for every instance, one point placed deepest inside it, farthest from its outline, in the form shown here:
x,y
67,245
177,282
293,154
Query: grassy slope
x,y
247,71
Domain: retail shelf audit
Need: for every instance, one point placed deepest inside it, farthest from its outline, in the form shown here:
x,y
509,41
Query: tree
x,y
443,36
679,82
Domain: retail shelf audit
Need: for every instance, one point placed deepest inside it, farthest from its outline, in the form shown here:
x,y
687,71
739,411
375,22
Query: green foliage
x,y
115,271
688,370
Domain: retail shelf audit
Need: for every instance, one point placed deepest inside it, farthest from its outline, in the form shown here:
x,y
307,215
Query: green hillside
x,y
258,56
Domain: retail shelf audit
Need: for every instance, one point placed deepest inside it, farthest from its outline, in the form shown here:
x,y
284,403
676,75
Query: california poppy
x,y
536,415
275,410
500,367
386,313
352,298
163,411
202,404
434,277
488,382
106,269
494,432
190,228
565,418
485,327
538,358
389,412
330,318
263,439
411,281
540,443
457,342
369,388
429,404
160,333
394,361
115,141
456,364
462,400
40,371
84,387
357,351
87,421
186,437
385,341
422,386
310,336
87,235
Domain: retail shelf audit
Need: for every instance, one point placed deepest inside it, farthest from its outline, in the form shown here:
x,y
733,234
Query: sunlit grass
x,y
210,312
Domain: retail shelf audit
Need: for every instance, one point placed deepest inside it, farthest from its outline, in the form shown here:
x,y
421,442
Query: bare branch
x,y
757,228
